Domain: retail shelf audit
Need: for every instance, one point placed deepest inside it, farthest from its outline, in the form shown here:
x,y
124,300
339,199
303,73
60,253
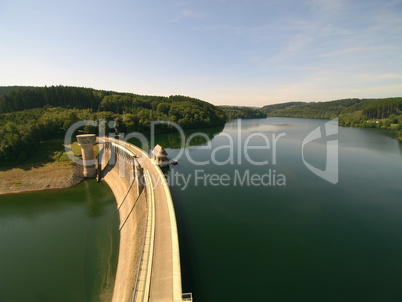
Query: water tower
x,y
87,142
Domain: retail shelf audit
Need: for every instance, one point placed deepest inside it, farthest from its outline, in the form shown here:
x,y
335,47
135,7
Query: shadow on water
x,y
392,134
165,170
95,205
102,238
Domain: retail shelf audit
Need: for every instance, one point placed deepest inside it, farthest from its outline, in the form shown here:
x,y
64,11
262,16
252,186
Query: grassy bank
x,y
47,167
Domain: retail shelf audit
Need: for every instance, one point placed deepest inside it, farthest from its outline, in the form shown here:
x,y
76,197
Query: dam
x,y
148,266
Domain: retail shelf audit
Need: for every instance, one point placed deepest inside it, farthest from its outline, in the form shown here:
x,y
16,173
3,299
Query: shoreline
x,y
48,176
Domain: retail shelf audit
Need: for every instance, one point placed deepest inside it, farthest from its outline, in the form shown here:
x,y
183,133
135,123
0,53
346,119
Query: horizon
x,y
228,105
223,52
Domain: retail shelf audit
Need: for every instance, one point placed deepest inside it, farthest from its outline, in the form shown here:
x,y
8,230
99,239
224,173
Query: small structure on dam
x,y
160,157
87,142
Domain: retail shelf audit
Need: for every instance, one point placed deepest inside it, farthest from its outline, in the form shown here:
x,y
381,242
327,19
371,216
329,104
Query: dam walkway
x,y
149,260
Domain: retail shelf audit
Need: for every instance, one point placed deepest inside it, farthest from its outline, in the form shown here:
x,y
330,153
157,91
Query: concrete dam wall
x,y
149,262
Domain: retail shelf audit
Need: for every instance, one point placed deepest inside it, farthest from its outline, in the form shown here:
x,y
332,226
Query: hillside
x,y
383,113
28,115
234,112
269,108
324,110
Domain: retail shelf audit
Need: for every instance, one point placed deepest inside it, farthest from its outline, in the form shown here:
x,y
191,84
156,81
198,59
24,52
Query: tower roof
x,y
159,151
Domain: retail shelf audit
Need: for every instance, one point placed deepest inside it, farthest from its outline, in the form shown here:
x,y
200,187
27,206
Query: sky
x,y
226,52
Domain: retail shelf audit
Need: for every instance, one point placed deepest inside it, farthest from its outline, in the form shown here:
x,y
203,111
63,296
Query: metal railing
x,y
120,149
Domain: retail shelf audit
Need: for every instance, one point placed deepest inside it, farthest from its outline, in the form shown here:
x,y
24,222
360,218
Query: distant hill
x,y
234,112
252,107
269,108
333,109
375,113
325,110
186,111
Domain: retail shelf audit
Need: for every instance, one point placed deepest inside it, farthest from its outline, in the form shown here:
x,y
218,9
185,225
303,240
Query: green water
x,y
59,245
307,241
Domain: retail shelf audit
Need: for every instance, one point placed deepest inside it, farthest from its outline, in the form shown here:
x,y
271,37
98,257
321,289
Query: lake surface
x,y
59,245
305,240
248,229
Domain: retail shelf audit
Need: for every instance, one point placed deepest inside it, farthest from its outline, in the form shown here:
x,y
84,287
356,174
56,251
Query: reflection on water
x,y
174,140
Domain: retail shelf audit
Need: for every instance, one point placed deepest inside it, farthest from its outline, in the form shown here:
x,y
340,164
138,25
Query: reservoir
x,y
255,222
307,240
59,245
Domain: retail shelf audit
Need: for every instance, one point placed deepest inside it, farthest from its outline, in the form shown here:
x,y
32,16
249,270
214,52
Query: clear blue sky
x,y
240,52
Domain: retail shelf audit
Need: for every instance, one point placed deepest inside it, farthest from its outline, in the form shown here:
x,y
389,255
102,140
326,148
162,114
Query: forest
x,y
323,110
270,108
32,114
385,113
234,112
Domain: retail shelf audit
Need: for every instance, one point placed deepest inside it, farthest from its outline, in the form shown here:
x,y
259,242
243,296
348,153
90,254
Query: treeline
x,y
7,89
29,115
21,131
55,96
323,110
269,108
374,113
233,112
383,113
136,110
